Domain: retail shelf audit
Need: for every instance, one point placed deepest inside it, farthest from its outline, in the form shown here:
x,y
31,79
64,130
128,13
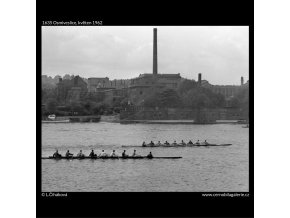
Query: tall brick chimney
x,y
199,79
155,71
242,81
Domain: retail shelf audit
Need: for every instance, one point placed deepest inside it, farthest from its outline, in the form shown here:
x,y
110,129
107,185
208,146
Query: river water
x,y
202,169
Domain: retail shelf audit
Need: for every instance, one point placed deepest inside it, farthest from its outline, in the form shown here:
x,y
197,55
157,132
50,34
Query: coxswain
x,y
67,154
150,155
190,142
113,154
143,144
80,154
103,154
56,154
92,154
124,154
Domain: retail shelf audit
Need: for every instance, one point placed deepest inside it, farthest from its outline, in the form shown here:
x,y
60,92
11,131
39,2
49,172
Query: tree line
x,y
187,95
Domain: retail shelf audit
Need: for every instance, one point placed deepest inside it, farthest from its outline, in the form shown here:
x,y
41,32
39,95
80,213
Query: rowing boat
x,y
141,157
175,146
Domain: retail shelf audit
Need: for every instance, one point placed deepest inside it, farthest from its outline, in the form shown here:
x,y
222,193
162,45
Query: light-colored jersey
x,y
103,154
113,154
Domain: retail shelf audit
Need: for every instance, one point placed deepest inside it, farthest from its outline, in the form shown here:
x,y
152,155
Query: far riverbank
x,y
116,119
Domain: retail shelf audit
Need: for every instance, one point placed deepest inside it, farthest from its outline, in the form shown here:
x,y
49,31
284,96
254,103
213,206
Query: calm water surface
x,y
202,169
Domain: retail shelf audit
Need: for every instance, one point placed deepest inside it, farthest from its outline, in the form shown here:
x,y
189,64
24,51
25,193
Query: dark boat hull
x,y
99,158
176,146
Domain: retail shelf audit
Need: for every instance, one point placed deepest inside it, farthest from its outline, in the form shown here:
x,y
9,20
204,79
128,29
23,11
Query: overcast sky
x,y
221,54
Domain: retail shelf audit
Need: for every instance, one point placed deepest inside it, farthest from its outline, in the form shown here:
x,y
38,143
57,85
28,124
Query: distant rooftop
x,y
159,75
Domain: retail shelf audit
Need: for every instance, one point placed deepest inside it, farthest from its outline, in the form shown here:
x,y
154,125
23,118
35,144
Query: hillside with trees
x,y
187,95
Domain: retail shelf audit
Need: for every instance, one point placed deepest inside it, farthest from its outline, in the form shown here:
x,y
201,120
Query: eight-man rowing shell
x,y
95,158
177,145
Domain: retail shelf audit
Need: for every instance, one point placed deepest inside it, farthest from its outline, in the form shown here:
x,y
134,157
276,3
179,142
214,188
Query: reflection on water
x,y
200,169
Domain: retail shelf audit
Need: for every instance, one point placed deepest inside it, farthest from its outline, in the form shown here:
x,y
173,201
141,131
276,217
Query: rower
x,y
182,142
103,154
190,142
174,143
113,154
134,154
56,154
205,142
92,154
159,143
150,155
80,154
151,143
67,154
166,143
197,143
124,154
143,144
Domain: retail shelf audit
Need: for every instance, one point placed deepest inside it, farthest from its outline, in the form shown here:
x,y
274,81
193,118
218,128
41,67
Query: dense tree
x,y
166,98
67,76
153,100
51,105
170,98
194,96
234,102
243,97
200,97
186,85
124,102
188,94
219,100
101,108
48,94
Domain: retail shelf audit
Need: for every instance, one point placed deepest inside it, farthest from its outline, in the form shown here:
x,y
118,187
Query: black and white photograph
x,y
144,108
149,110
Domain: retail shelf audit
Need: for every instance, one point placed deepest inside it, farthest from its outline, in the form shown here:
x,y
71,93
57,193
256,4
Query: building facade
x,y
69,90
138,88
228,91
101,84
147,84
